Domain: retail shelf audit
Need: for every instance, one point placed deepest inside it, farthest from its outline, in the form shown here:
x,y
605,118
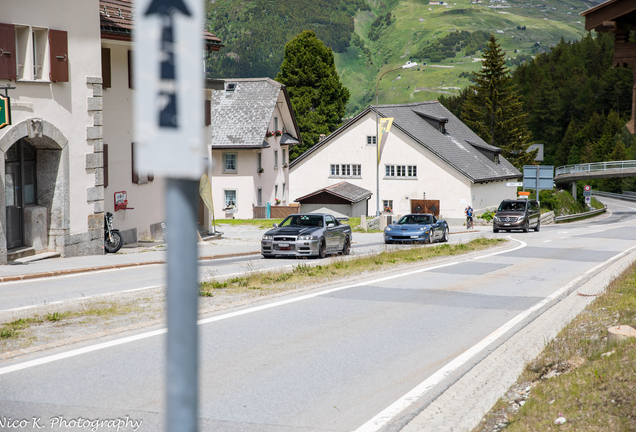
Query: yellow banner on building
x,y
385,127
205,190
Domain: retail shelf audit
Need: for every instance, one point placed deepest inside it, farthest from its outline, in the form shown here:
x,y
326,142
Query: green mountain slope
x,y
416,25
255,32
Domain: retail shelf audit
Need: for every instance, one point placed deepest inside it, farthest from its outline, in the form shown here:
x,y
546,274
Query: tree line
x,y
255,33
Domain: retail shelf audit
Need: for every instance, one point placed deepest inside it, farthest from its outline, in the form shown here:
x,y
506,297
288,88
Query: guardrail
x,y
580,215
614,195
594,167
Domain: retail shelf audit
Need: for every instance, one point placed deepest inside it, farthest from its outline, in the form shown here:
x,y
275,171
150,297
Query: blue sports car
x,y
422,227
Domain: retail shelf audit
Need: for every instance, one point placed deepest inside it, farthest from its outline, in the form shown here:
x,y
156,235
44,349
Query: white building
x,y
431,162
141,216
253,127
53,197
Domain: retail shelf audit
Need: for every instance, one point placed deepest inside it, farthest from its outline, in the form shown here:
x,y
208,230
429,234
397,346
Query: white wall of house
x,y
487,196
63,106
434,177
273,179
147,198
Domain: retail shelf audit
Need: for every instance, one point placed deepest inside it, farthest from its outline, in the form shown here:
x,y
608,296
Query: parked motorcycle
x,y
113,240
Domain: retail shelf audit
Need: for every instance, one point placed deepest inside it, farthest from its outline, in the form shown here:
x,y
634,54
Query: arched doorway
x,y
20,188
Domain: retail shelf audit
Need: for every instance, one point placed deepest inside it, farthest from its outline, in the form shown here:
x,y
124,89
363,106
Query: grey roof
x,y
240,118
344,190
452,147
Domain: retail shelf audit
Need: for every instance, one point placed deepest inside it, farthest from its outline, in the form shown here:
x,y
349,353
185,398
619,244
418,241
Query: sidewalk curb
x,y
112,267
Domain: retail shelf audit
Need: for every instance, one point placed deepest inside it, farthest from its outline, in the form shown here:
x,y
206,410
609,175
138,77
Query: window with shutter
x,y
105,156
7,52
58,51
130,69
106,82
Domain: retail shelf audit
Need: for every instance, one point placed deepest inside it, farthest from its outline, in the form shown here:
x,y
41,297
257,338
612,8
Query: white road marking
x,y
78,299
547,241
384,417
100,346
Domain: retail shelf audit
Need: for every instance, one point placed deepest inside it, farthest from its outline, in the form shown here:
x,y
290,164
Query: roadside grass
x,y
259,223
278,281
577,376
104,310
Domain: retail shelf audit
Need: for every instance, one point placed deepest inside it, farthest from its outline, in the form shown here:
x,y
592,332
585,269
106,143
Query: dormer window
x,y
442,128
230,87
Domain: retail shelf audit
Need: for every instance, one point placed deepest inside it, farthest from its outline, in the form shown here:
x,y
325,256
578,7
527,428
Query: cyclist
x,y
469,217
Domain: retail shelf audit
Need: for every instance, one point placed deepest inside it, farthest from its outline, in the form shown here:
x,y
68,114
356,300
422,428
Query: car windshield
x,y
415,219
512,206
302,221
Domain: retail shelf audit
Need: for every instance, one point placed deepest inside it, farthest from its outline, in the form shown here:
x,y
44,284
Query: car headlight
x,y
421,229
387,228
496,218
268,237
307,237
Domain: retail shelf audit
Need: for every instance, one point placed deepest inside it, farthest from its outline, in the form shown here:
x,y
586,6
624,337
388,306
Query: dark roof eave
x,y
494,179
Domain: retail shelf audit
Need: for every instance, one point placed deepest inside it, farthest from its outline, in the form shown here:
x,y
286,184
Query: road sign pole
x,y
182,306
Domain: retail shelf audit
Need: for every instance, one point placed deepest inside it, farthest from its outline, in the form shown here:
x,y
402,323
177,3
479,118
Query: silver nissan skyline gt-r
x,y
311,234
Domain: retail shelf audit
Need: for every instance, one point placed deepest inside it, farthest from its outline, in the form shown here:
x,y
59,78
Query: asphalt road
x,y
339,358
20,295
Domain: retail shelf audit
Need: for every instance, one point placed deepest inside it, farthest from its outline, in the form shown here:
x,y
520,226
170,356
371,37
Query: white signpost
x,y
169,140
169,134
515,184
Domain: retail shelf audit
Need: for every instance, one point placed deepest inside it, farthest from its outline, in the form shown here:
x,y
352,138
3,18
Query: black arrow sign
x,y
167,93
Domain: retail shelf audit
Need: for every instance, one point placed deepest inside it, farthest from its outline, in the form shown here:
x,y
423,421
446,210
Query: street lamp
x,y
377,133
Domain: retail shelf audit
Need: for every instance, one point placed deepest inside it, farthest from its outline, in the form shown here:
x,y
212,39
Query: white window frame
x,y
32,53
284,187
225,169
283,155
372,140
275,159
387,203
345,170
225,198
400,171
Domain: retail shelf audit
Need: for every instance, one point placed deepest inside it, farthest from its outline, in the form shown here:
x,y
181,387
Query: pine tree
x,y
569,140
316,93
494,110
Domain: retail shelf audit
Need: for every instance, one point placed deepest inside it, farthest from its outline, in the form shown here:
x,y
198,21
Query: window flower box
x,y
277,201
261,170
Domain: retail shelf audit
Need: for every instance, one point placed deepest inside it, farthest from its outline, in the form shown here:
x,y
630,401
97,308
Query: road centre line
x,y
125,340
384,417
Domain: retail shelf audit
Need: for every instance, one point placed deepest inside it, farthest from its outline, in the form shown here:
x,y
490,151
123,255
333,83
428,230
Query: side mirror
x,y
330,224
275,225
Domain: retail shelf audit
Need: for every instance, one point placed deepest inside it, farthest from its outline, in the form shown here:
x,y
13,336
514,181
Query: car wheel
x,y
526,227
495,230
445,235
346,249
268,256
538,227
322,249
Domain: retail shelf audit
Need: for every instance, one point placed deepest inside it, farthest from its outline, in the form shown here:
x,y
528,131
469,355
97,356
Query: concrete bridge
x,y
573,173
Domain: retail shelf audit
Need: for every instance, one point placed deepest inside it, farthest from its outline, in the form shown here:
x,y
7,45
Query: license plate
x,y
507,224
283,245
415,236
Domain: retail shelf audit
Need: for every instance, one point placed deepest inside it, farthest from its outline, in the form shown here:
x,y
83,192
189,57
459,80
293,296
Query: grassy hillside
x,y
416,24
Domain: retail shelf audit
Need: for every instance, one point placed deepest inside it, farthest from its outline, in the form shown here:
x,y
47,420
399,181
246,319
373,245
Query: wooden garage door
x,y
425,206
